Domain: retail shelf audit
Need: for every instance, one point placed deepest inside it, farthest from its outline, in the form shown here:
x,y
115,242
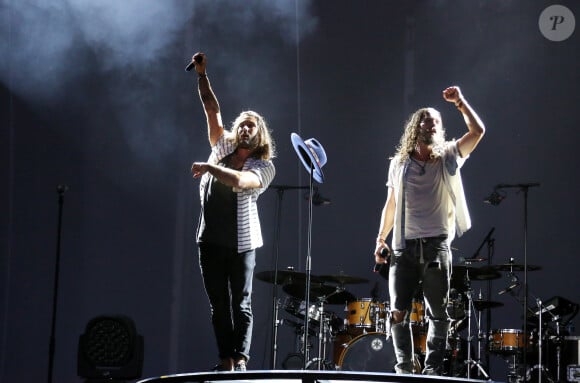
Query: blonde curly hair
x,y
409,139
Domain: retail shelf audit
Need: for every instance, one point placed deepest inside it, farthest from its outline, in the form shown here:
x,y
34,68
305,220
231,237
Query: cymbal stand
x,y
323,331
470,306
322,336
539,366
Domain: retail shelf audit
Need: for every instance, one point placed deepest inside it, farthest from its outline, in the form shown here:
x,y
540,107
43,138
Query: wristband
x,y
202,75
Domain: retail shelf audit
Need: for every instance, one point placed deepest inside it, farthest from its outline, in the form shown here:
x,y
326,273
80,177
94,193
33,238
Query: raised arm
x,y
475,127
215,128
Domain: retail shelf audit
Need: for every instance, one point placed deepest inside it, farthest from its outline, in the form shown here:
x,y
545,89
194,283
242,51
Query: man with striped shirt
x,y
238,170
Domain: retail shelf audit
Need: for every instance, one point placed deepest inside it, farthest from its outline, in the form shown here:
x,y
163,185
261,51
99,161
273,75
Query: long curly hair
x,y
265,145
410,135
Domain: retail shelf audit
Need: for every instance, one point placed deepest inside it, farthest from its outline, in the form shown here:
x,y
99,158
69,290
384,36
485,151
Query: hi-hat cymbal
x,y
343,279
514,267
284,277
482,305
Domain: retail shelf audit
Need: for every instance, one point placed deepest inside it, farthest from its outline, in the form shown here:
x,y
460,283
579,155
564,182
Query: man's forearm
x,y
206,95
472,120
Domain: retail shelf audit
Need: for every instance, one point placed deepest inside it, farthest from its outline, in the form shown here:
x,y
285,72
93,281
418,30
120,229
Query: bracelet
x,y
459,103
202,75
380,239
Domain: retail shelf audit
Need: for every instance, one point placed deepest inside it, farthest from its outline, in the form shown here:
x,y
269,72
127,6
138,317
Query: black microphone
x,y
514,283
61,189
379,266
191,65
494,198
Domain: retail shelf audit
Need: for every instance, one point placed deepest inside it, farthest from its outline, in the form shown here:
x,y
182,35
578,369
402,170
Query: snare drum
x,y
365,313
508,341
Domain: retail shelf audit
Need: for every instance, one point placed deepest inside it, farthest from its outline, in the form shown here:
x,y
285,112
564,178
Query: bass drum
x,y
368,352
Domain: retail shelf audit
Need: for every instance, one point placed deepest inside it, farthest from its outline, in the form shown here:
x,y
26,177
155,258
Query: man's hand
x,y
198,169
380,250
452,94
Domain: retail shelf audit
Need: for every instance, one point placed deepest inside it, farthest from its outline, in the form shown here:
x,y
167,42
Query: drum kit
x,y
360,339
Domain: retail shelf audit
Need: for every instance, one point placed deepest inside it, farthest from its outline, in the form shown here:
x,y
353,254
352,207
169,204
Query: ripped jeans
x,y
426,260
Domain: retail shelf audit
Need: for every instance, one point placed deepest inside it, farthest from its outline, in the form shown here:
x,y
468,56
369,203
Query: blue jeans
x,y
427,260
227,277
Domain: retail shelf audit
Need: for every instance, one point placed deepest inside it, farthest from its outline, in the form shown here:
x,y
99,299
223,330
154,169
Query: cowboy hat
x,y
312,154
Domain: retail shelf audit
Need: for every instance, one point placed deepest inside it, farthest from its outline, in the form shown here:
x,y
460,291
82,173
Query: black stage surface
x,y
304,376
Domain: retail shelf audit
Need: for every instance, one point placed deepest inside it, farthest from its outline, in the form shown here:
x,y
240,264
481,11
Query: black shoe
x,y
219,367
240,366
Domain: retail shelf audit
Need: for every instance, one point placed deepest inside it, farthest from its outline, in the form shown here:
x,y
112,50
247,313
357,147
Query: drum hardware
x,y
317,314
470,305
540,367
279,277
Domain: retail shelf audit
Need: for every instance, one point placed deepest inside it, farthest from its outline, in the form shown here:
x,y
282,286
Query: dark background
x,y
94,96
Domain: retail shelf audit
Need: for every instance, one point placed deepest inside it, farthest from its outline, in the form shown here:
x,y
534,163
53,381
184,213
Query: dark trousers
x,y
227,277
425,260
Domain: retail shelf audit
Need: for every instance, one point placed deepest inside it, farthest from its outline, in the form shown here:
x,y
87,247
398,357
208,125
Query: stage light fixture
x,y
110,350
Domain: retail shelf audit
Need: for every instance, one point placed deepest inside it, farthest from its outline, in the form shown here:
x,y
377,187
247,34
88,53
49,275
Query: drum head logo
x,y
377,344
557,23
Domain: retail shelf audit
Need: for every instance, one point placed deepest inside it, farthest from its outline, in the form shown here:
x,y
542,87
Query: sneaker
x,y
240,366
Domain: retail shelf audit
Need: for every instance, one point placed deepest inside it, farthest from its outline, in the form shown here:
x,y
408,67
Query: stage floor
x,y
302,376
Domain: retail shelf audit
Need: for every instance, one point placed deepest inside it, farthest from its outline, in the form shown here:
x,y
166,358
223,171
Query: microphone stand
x,y
308,267
60,189
275,307
524,188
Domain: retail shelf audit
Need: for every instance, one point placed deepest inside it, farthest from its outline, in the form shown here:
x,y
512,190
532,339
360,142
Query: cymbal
x,y
343,279
485,273
482,305
340,298
317,290
284,277
330,294
514,267
475,273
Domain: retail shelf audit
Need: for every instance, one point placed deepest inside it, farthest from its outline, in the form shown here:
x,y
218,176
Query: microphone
x,y
61,189
191,65
509,288
494,198
514,283
317,198
379,267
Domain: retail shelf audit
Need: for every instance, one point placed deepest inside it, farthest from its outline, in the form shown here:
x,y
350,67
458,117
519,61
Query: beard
x,y
251,143
431,139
